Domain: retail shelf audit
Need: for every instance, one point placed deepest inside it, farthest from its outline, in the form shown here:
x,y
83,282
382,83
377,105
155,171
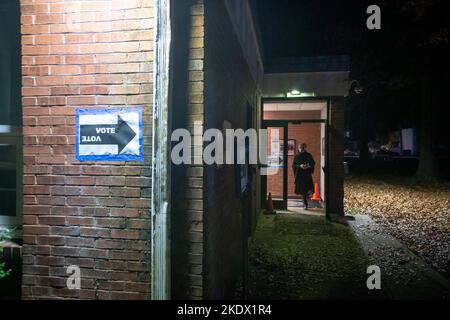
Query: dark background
x,y
403,68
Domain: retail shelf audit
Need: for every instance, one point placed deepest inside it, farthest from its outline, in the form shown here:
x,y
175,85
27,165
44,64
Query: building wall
x,y
322,84
335,200
84,54
230,93
240,13
187,179
213,84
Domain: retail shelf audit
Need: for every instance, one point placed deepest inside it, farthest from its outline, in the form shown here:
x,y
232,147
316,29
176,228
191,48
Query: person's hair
x,y
303,146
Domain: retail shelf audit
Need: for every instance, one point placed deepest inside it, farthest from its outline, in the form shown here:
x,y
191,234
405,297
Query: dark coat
x,y
303,177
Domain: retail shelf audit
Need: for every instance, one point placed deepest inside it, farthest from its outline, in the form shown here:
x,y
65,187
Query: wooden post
x,y
160,152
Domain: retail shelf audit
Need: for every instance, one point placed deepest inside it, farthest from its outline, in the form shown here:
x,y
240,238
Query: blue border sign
x,y
109,134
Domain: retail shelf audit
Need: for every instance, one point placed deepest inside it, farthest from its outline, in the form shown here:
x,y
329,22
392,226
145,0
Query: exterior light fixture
x,y
298,94
293,93
356,86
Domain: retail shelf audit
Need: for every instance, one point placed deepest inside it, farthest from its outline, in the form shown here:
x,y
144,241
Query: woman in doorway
x,y
303,167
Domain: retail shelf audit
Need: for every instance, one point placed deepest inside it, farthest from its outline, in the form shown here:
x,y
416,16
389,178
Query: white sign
x,y
109,134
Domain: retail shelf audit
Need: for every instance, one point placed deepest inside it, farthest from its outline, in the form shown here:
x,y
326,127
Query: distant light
x,y
296,94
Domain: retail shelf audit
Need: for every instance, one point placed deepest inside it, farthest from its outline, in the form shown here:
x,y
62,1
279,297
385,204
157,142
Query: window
x,y
10,115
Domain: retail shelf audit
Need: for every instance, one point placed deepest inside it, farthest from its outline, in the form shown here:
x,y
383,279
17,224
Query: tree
x,y
408,55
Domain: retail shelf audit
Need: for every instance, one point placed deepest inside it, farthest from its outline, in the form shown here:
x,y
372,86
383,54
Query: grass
x,y
305,257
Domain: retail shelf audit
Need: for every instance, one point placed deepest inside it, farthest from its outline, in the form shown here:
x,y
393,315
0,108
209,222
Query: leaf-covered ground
x,y
417,215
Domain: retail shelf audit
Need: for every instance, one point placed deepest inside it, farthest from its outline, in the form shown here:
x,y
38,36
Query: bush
x,y
4,236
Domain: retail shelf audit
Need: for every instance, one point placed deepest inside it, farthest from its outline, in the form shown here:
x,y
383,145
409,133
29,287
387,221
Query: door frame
x,y
285,123
277,203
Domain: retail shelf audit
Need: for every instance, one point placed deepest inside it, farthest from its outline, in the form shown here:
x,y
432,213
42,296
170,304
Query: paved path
x,y
405,275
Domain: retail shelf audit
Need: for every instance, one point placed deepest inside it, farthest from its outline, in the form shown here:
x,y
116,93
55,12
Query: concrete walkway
x,y
403,274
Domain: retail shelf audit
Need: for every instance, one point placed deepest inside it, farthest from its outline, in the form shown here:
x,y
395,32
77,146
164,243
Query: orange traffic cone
x,y
269,205
316,195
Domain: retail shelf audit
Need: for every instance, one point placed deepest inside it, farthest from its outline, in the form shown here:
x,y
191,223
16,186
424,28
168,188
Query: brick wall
x,y
335,202
187,180
84,54
229,90
213,84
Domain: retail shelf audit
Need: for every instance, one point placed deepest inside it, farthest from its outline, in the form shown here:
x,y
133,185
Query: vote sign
x,y
109,134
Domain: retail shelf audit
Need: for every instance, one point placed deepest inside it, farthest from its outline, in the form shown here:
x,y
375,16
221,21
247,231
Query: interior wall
x,y
313,135
287,115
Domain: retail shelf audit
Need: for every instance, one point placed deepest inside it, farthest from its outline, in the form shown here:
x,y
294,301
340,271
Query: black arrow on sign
x,y
122,135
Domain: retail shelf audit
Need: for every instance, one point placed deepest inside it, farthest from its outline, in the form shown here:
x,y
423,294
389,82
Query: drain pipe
x,y
161,271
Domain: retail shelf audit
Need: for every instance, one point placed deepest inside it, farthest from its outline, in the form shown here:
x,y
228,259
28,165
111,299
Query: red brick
x,y
48,60
52,220
95,232
30,229
94,253
48,39
81,201
110,181
104,60
82,181
110,244
111,222
81,100
80,242
51,159
111,202
126,192
124,234
52,140
51,200
51,240
50,261
80,221
50,180
94,191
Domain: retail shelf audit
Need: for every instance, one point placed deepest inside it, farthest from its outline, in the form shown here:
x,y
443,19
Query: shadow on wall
x,y
181,217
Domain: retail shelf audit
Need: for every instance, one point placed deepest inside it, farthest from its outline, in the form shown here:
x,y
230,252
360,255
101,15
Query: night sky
x,y
397,65
291,28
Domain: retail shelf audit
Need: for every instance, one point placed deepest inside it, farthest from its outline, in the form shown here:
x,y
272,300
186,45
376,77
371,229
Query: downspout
x,y
327,159
160,155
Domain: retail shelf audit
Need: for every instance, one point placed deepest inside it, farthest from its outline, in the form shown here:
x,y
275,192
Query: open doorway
x,y
290,123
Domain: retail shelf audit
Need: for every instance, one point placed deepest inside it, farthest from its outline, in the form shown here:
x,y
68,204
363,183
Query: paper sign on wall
x,y
109,134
